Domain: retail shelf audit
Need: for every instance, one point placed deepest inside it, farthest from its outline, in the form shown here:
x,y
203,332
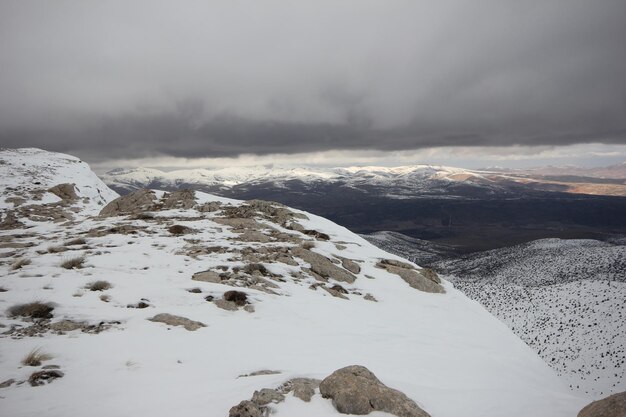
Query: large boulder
x,y
356,390
133,203
612,406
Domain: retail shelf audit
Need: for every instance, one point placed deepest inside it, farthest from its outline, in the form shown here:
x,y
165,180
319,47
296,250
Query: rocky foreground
x,y
187,304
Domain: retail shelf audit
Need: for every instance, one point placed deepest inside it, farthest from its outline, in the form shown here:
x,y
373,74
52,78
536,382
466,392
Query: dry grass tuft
x,y
20,263
56,249
100,285
77,241
35,310
73,263
35,358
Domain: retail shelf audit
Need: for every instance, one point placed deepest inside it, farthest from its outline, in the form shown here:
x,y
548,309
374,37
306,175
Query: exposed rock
x,y
315,234
226,305
209,207
173,320
133,203
412,277
384,262
259,373
10,221
323,266
67,326
44,377
370,297
612,406
238,297
181,199
350,265
266,396
303,388
356,390
66,192
336,292
120,229
7,383
430,274
179,229
246,409
207,276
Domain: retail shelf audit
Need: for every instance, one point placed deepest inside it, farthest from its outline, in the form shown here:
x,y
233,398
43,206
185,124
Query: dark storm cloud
x,y
114,79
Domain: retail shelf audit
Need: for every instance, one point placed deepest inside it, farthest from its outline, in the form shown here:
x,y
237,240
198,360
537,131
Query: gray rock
x,y
133,203
350,265
173,320
7,383
356,390
413,278
323,266
246,409
44,377
66,192
612,406
304,388
266,396
207,276
226,305
181,199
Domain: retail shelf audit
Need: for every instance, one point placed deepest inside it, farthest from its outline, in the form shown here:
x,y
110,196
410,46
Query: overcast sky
x,y
218,79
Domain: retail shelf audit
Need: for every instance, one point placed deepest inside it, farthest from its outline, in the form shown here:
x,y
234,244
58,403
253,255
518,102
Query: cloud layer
x,y
129,79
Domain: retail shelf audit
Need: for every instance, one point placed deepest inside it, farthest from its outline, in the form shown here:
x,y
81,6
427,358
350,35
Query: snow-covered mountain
x,y
186,304
564,298
395,182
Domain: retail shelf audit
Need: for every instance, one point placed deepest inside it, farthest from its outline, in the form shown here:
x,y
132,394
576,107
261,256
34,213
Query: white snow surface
x,y
442,350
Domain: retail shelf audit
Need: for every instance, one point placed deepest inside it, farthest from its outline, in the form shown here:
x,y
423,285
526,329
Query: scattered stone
x,y
238,297
266,396
246,409
173,320
316,234
44,377
612,406
7,383
226,305
179,229
303,388
356,390
259,373
207,276
370,297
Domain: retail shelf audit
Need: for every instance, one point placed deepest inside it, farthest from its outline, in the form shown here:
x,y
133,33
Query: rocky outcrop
x,y
181,199
172,320
246,409
133,203
612,406
411,276
66,192
323,266
356,390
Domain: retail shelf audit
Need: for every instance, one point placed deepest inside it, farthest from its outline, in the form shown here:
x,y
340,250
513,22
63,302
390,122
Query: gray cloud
x,y
113,79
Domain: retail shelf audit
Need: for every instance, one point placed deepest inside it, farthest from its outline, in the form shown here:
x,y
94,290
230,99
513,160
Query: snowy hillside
x,y
185,304
565,298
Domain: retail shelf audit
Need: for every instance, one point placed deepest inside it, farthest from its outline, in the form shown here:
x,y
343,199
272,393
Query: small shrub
x,y
73,263
35,310
178,229
98,285
56,249
35,357
77,241
20,263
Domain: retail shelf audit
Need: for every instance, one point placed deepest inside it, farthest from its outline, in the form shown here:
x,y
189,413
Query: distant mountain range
x,y
398,182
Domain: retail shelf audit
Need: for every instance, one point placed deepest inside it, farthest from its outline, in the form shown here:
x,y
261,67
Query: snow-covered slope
x,y
317,298
565,298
